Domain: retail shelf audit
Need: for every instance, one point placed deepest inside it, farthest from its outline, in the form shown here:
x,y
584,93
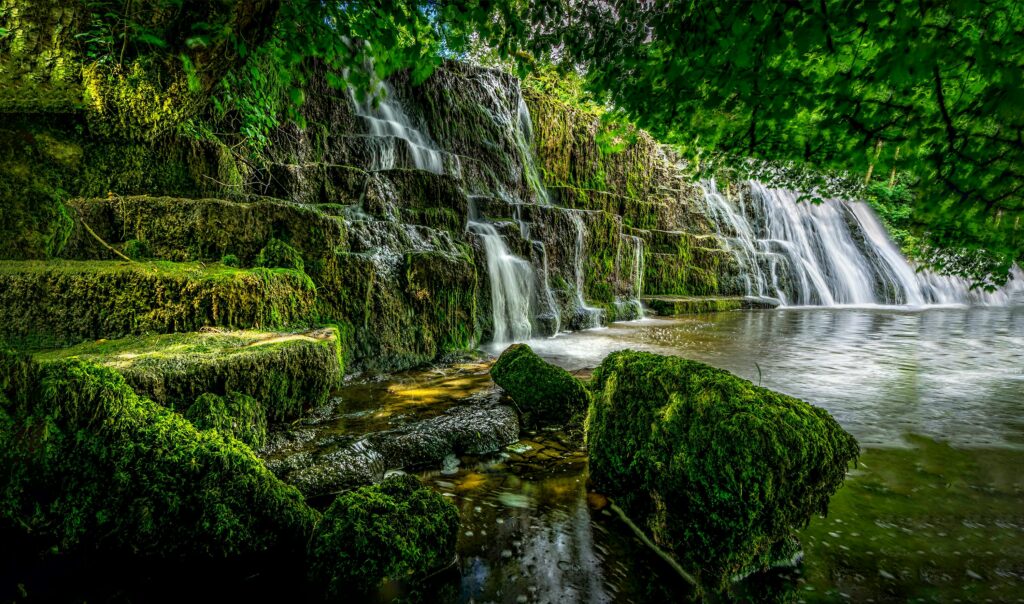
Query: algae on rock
x,y
90,464
545,393
719,472
286,372
397,529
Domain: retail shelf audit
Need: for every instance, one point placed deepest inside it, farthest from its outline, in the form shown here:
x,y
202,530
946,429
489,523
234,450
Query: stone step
x,y
50,304
183,230
685,305
287,372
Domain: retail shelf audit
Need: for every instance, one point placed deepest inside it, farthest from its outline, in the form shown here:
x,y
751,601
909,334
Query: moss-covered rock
x,y
544,392
720,472
395,530
87,463
278,254
50,304
285,372
235,414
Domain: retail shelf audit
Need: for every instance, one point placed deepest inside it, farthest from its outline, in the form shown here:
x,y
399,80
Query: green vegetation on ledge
x,y
286,372
719,472
49,304
90,464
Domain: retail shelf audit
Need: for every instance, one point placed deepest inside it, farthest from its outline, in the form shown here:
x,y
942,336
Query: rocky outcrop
x,y
719,472
544,393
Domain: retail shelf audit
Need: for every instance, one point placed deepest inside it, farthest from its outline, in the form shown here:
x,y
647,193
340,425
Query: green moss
x,y
49,304
397,529
544,392
286,373
669,306
230,260
720,472
137,250
235,414
278,254
91,465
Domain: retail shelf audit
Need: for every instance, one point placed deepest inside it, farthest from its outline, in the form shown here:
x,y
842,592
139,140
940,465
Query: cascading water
x,y
833,253
388,123
511,280
587,317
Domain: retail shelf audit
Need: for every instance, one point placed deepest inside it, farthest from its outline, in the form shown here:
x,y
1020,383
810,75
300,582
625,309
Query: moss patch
x,y
544,392
235,414
397,529
50,304
90,464
720,472
286,373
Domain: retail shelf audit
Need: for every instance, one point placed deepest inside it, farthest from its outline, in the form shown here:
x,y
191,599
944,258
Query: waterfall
x,y
511,280
829,254
587,317
387,123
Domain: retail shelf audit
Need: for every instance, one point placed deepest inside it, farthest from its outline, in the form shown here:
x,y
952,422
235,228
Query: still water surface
x,y
934,512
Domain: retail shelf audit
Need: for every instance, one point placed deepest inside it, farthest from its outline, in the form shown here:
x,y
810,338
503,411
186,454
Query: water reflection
x,y
956,375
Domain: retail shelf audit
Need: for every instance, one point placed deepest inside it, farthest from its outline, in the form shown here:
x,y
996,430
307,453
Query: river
x,y
933,512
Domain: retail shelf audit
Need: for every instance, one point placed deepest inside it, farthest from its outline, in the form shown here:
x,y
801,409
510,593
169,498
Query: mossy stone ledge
x,y
286,372
719,472
59,303
90,465
544,393
394,530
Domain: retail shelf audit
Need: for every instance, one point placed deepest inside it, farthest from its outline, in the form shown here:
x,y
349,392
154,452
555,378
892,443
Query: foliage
x,y
397,529
932,88
230,260
235,414
544,393
89,464
720,472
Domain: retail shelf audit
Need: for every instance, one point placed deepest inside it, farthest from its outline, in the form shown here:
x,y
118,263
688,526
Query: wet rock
x,y
337,463
720,472
544,392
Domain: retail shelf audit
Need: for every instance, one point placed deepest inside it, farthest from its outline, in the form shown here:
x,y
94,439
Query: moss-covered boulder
x,y
278,254
87,463
58,303
286,372
544,392
235,414
397,529
719,472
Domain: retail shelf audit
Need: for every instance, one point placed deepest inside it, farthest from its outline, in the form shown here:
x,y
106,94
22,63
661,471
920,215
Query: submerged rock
x,y
334,463
719,472
397,529
544,392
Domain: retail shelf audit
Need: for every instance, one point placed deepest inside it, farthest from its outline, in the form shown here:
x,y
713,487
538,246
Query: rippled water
x,y
934,512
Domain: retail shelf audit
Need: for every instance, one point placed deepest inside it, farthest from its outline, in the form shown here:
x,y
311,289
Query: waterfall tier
x,y
836,253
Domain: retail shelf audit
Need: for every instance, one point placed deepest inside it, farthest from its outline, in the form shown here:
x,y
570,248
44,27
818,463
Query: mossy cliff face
x,y
719,472
382,246
90,464
544,393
